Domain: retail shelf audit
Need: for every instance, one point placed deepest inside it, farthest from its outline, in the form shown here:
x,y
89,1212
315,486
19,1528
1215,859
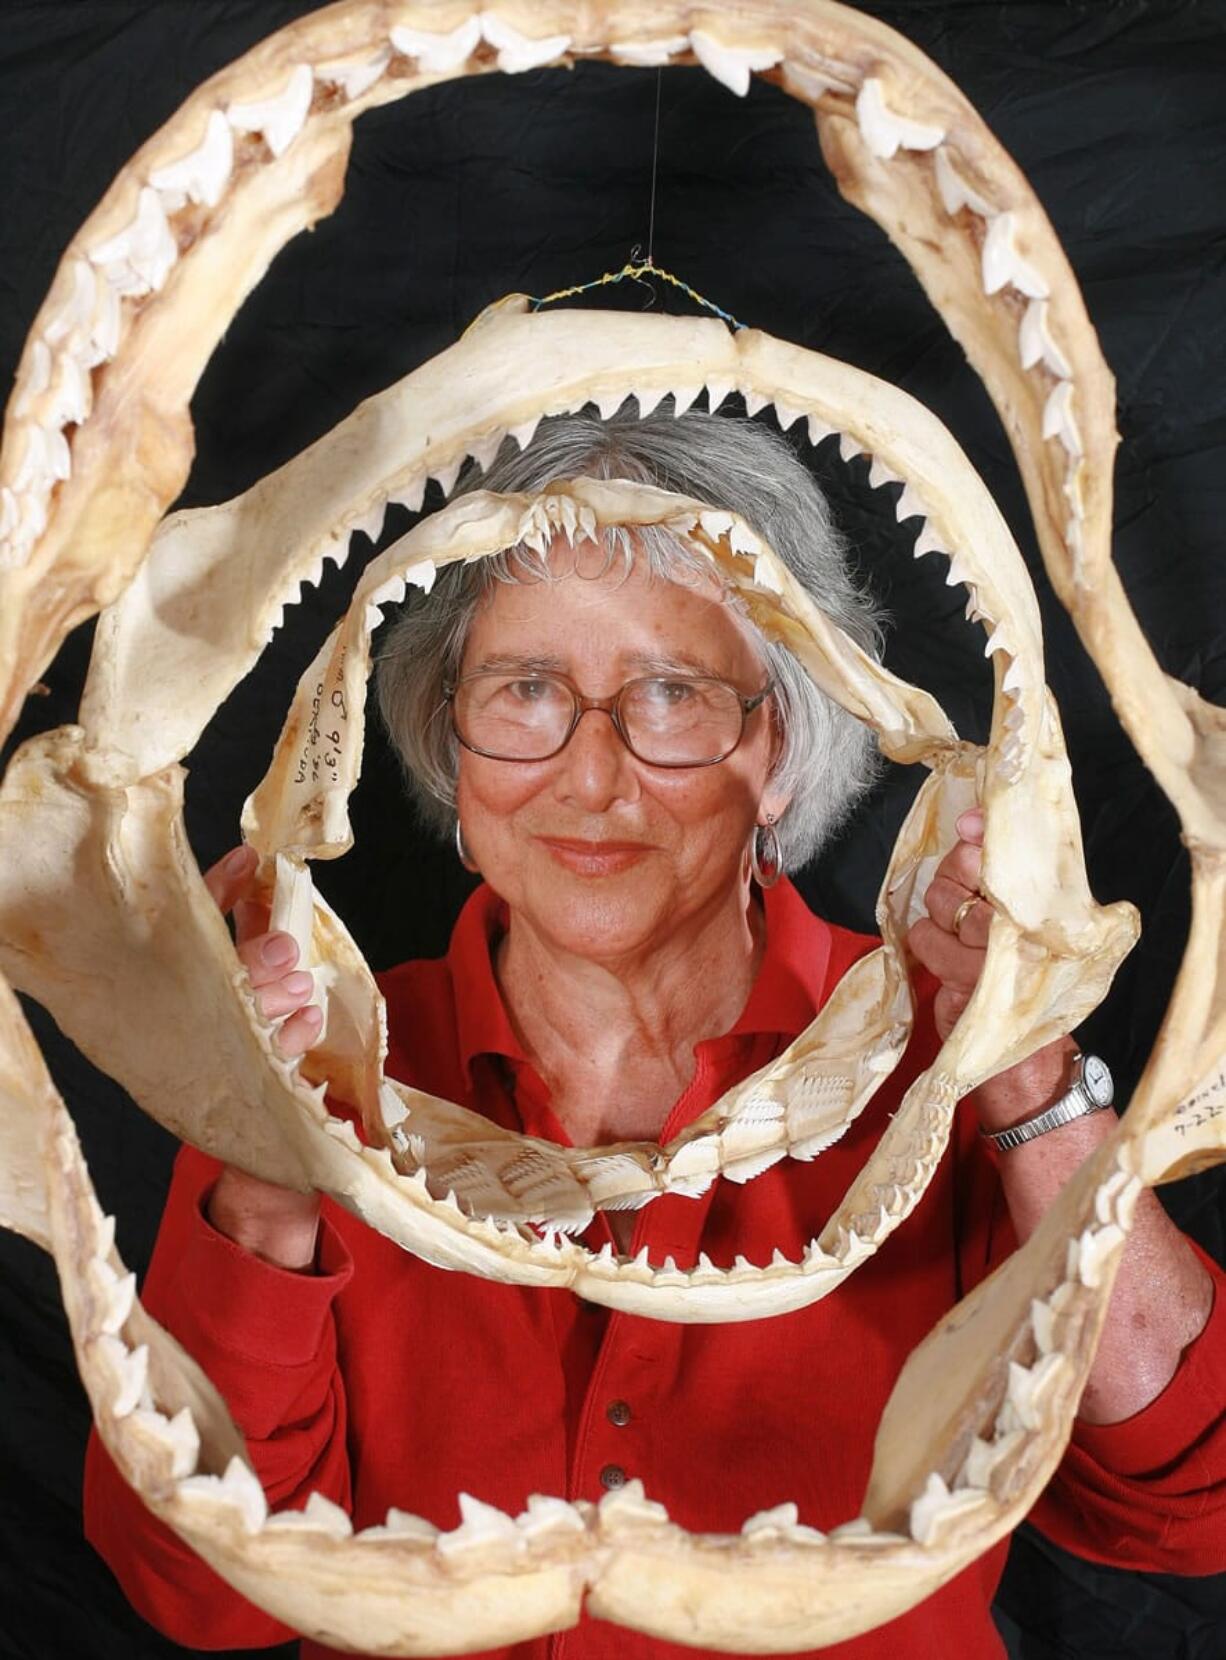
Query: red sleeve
x,y
1150,1492
267,1339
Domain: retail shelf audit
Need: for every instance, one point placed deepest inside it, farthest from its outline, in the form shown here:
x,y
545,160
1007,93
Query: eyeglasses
x,y
673,721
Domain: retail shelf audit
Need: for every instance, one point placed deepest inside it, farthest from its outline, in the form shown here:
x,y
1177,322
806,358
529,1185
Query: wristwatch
x,y
1092,1090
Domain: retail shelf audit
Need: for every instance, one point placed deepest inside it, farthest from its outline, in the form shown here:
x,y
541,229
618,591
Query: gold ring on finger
x,y
960,915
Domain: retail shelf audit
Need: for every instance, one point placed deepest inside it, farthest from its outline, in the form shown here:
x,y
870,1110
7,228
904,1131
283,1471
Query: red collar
x,y
789,989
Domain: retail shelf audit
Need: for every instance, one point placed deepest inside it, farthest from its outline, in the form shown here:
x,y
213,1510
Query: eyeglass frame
x,y
608,706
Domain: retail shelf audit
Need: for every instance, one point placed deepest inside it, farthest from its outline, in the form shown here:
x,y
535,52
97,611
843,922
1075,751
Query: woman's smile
x,y
594,858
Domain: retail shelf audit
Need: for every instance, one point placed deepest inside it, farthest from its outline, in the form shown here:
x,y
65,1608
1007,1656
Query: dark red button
x,y
618,1412
612,1477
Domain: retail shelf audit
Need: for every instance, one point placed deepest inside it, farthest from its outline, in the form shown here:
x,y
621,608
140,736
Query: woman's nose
x,y
597,768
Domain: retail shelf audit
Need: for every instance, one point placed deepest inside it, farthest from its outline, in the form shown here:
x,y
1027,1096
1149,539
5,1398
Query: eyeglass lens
x,y
678,722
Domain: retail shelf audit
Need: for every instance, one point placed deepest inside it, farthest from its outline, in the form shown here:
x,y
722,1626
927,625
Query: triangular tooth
x,y
135,1374
957,574
484,449
641,1260
684,397
447,474
909,505
523,433
705,1264
755,401
818,430
651,399
927,542
778,1260
718,391
104,1239
606,1256
786,415
743,1262
879,474
608,403
995,641
849,446
1014,679
119,1304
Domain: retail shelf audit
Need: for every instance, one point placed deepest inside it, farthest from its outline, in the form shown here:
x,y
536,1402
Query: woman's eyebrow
x,y
501,662
680,662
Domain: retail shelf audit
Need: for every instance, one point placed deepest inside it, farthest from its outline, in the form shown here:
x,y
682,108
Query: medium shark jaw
x,y
131,319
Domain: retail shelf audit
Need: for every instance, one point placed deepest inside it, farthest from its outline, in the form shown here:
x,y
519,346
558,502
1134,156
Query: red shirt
x,y
384,1381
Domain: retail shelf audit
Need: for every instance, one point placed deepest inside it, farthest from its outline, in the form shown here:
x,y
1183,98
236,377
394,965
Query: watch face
x,y
1096,1079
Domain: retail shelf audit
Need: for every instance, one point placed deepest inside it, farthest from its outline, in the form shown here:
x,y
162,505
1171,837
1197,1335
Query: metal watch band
x,y
1076,1103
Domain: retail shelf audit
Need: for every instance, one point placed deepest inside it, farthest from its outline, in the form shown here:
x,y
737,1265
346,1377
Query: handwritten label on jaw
x,y
1203,1107
323,743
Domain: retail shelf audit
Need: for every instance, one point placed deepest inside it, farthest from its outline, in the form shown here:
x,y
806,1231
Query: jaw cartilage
x,y
145,291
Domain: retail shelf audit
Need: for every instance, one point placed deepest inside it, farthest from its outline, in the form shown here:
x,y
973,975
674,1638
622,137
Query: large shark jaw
x,y
145,291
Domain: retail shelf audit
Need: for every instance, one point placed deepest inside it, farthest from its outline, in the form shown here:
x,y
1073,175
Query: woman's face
x,y
604,855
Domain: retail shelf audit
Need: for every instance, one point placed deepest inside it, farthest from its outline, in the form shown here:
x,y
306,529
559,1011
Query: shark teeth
x,y
481,1526
237,1491
1002,263
279,119
885,133
954,191
178,1437
732,65
649,54
139,259
355,78
318,1515
517,52
937,1509
201,175
436,54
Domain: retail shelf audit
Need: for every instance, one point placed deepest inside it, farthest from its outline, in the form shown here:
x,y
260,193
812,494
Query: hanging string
x,y
637,269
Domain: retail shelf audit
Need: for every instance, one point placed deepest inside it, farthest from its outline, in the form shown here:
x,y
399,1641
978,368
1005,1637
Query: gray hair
x,y
827,758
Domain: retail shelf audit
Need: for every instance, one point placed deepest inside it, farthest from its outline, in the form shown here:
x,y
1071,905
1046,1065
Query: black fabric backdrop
x,y
1117,112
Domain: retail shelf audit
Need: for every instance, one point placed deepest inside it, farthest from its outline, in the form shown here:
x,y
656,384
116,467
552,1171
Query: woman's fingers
x,y
229,879
955,965
300,1031
281,990
959,912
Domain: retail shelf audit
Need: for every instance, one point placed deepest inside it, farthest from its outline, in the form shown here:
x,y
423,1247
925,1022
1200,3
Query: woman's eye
x,y
531,691
671,692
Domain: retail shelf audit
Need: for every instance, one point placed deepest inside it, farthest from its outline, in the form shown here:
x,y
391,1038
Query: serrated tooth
x,y
411,493
446,474
772,1522
705,1265
648,54
484,449
995,641
884,131
879,474
818,431
518,52
684,397
437,53
201,175
732,65
955,192
134,1373
755,401
1014,679
400,1524
1003,264
355,78
778,1260
958,572
651,399
1093,1250
523,433
1059,420
278,119
849,446
546,1516
119,1301
786,416
718,392
481,1526
1043,1324
1035,343
319,1514
608,403
927,542
909,505
641,1259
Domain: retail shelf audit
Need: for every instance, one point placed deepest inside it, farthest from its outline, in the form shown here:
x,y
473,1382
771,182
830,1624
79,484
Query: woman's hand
x,y
269,958
272,1222
951,941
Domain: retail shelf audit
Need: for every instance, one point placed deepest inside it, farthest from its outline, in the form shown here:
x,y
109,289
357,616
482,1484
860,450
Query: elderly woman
x,y
630,765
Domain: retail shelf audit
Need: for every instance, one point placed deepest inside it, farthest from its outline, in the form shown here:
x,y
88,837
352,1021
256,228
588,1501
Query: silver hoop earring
x,y
465,857
765,853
